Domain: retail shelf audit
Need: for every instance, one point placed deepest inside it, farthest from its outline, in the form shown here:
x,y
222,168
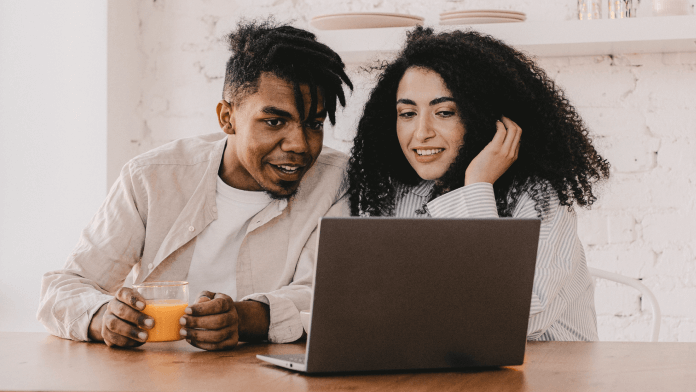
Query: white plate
x,y
507,12
364,20
482,20
483,14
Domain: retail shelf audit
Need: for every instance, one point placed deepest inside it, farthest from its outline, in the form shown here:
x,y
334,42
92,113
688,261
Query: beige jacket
x,y
149,223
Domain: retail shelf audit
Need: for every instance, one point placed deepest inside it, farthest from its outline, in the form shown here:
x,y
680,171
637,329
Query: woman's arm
x,y
560,277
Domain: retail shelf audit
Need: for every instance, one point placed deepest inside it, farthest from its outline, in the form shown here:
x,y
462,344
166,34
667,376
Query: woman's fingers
x,y
500,134
512,137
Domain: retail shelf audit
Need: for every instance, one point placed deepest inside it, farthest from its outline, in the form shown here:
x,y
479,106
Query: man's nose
x,y
424,129
296,140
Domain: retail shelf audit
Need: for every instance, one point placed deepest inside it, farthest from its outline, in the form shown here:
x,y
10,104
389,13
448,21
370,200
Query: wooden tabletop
x,y
37,361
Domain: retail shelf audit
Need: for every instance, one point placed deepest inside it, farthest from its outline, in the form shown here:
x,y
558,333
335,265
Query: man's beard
x,y
286,185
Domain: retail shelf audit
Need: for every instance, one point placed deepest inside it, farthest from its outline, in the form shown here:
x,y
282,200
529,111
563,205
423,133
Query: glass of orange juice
x,y
165,302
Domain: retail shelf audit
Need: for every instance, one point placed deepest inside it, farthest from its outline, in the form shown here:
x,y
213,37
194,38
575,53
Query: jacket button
x,y
150,266
191,228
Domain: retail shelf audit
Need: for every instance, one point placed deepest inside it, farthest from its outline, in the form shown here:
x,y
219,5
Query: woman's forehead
x,y
422,83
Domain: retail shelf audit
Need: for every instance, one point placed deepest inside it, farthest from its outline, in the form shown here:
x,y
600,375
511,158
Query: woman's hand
x,y
497,156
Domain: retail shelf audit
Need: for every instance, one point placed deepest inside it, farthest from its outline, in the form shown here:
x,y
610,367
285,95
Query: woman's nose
x,y
424,129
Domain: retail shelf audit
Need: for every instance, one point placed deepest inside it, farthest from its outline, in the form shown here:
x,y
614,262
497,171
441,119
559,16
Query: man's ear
x,y
225,114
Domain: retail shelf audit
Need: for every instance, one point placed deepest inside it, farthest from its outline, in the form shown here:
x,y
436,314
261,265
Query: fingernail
x,y
188,311
142,335
149,322
182,321
182,332
140,305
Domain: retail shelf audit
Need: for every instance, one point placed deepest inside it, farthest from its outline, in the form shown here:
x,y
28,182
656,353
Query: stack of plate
x,y
364,20
481,16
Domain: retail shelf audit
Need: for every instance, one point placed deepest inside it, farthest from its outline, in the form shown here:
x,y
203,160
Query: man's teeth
x,y
430,152
289,168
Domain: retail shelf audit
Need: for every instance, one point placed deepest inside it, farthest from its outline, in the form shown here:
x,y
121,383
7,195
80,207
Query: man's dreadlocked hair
x,y
289,53
487,79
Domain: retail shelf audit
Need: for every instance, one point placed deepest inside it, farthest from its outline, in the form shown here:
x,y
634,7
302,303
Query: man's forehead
x,y
280,93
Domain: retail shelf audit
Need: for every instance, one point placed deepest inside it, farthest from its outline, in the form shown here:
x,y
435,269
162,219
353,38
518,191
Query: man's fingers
x,y
205,294
131,298
119,327
213,346
216,321
131,315
209,336
216,306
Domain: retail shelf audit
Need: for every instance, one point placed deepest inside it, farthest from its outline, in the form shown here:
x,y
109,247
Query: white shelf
x,y
544,39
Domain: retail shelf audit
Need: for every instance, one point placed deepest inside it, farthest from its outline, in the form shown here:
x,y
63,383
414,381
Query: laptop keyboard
x,y
295,358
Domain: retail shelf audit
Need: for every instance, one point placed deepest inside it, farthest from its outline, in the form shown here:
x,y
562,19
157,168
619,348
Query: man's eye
x,y
274,122
316,125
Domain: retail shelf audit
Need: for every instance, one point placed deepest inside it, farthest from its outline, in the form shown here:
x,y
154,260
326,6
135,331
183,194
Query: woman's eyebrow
x,y
441,100
405,101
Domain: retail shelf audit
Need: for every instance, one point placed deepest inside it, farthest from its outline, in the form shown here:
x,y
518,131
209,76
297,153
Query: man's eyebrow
x,y
276,111
441,100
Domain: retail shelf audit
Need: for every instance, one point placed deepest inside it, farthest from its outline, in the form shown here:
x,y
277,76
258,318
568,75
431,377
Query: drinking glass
x,y
165,303
589,9
619,9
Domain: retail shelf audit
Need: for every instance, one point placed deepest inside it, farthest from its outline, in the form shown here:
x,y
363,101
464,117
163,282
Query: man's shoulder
x,y
187,151
326,177
333,158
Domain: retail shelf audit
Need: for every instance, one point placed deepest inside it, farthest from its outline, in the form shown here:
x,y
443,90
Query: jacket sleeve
x,y
107,250
557,258
286,302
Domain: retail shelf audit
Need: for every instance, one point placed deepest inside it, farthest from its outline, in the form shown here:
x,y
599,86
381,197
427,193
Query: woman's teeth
x,y
430,152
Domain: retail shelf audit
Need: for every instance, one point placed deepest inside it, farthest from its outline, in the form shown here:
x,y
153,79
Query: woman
x,y
441,136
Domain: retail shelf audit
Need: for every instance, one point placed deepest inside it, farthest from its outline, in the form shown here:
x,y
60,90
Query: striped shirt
x,y
563,295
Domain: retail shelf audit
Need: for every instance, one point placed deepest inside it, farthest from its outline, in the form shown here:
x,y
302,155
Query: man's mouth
x,y
287,169
431,151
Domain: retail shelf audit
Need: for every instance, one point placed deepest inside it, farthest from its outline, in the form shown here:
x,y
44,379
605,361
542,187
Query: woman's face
x,y
428,124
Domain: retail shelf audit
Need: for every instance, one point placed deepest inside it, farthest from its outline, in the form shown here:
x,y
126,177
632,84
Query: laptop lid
x,y
393,293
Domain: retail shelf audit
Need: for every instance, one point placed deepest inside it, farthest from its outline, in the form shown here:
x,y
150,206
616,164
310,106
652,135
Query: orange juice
x,y
166,313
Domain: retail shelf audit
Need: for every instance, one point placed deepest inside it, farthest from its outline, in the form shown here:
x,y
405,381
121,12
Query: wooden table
x,y
38,361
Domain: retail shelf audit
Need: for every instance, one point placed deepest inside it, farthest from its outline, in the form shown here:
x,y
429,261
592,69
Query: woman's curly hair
x,y
488,80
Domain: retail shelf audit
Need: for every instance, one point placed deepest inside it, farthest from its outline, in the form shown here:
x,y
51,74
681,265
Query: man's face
x,y
269,148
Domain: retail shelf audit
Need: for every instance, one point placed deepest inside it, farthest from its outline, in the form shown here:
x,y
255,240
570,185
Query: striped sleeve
x,y
562,305
471,201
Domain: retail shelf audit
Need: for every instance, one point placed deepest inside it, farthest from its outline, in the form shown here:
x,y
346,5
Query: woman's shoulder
x,y
540,200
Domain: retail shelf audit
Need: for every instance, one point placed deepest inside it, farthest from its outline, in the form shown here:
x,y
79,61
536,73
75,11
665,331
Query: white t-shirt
x,y
214,262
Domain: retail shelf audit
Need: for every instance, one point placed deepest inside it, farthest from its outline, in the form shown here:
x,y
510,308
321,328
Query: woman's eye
x,y
445,113
407,114
274,122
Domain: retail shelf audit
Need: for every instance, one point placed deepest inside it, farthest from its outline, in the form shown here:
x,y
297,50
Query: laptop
x,y
407,294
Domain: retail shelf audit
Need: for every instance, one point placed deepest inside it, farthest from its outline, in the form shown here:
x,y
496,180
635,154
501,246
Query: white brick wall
x,y
641,110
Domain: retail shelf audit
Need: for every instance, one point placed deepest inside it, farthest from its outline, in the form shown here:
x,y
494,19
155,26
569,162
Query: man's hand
x,y
120,322
216,322
212,322
497,156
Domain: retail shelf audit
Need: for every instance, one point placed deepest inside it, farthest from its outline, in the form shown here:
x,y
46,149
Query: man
x,y
234,213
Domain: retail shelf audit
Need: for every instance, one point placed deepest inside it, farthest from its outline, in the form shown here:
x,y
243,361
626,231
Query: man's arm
x,y
106,252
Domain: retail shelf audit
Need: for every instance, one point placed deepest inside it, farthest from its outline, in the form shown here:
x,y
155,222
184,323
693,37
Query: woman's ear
x,y
225,114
